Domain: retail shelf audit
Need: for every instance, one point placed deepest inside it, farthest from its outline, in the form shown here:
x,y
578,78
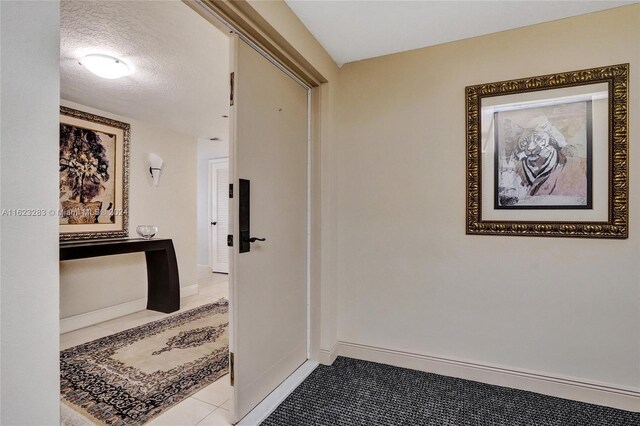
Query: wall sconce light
x,y
155,166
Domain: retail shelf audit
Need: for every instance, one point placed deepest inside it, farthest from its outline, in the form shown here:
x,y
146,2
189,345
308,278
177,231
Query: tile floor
x,y
208,407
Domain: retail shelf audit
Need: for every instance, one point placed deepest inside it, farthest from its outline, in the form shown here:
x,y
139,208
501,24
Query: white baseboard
x,y
327,356
189,290
624,398
203,271
76,322
279,394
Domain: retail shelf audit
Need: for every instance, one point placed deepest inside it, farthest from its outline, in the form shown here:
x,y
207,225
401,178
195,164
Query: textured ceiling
x,y
354,30
180,62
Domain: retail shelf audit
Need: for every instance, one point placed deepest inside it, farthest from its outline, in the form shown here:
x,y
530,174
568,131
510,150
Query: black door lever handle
x,y
254,239
214,223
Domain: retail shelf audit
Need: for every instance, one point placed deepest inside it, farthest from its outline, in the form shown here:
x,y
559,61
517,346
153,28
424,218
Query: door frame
x,y
240,17
236,17
210,197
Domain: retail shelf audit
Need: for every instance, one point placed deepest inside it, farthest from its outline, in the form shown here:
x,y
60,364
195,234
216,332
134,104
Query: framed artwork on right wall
x,y
547,155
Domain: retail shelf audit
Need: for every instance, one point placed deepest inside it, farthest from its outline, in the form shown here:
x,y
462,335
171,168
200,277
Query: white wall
x,y
29,245
409,278
207,150
90,284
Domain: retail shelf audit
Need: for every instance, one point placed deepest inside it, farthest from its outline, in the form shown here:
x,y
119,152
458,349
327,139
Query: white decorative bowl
x,y
147,231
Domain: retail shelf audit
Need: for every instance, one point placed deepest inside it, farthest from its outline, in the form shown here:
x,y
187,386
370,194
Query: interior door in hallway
x,y
268,285
219,215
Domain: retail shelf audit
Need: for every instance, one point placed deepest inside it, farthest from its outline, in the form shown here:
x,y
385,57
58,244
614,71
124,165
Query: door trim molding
x,y
240,17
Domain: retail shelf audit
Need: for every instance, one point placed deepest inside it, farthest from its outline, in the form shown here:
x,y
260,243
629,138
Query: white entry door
x,y
268,284
219,215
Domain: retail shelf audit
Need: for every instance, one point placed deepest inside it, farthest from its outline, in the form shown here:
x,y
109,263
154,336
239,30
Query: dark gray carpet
x,y
353,392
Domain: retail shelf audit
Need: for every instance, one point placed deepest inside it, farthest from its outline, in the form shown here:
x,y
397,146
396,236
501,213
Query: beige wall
x,y
90,284
409,279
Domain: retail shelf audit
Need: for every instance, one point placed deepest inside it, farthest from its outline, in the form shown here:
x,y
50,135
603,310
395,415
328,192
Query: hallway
x,y
207,407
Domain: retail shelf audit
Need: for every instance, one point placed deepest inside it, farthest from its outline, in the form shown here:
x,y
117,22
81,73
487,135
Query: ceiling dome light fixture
x,y
105,66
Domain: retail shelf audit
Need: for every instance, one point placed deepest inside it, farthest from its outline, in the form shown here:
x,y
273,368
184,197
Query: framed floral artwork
x,y
94,176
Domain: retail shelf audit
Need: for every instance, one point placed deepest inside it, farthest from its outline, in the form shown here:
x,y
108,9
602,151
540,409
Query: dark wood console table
x,y
163,283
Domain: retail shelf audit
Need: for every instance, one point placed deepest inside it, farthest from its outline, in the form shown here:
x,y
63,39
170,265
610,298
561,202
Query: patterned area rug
x,y
132,376
352,392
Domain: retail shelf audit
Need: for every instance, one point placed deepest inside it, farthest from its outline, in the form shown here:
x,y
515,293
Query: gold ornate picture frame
x,y
94,176
548,155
